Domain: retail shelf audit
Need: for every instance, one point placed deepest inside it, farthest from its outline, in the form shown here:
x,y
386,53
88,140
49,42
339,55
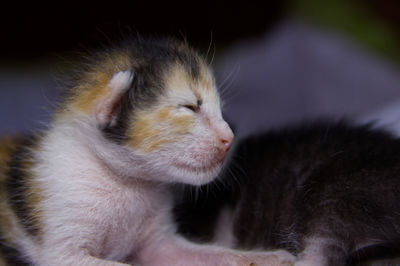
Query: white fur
x,y
118,85
197,158
95,214
312,254
224,229
105,203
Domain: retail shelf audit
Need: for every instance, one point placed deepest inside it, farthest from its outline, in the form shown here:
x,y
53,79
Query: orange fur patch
x,y
144,136
86,100
207,80
179,123
7,146
33,193
93,86
151,130
180,82
207,83
178,79
7,219
5,214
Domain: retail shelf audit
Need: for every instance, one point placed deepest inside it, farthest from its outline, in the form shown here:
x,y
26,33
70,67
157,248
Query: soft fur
x,y
328,192
93,189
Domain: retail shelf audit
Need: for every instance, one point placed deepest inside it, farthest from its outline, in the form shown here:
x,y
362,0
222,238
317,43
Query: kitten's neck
x,y
78,146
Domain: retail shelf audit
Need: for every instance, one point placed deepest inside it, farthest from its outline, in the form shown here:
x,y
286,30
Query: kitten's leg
x,y
89,260
77,259
176,251
71,251
319,251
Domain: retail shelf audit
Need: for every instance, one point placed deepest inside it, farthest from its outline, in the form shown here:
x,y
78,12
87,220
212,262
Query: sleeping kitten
x,y
327,192
93,189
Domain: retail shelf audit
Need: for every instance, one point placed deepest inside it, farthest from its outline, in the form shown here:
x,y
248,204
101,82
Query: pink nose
x,y
226,137
227,141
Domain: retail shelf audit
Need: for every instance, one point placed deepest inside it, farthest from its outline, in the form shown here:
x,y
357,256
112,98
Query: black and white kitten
x,y
327,192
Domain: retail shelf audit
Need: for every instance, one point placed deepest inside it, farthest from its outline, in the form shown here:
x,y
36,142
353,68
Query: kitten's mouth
x,y
211,167
196,172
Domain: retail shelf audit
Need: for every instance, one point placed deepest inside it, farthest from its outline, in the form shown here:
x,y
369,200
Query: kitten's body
x,y
322,191
92,189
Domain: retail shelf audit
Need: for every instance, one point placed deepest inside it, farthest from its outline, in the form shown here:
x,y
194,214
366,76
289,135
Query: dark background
x,y
35,30
298,58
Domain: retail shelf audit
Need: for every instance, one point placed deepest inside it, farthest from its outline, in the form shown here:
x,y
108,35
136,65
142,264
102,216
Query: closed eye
x,y
193,107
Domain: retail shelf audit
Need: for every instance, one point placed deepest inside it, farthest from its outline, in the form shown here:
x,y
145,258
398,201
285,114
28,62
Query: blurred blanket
x,y
298,72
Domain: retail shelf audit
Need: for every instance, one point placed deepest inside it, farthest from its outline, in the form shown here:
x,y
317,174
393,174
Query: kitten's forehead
x,y
182,85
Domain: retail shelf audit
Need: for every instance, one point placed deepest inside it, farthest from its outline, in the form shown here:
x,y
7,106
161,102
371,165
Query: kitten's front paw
x,y
270,258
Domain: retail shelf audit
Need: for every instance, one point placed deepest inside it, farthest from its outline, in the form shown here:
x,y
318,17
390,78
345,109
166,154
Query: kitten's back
x,y
328,179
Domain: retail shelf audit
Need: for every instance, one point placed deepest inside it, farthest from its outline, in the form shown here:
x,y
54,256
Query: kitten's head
x,y
156,102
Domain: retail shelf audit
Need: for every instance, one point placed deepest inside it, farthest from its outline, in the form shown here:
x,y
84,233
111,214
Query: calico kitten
x,y
93,189
328,192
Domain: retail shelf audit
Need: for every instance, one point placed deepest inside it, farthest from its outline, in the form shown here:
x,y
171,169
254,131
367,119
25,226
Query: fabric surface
x,y
298,72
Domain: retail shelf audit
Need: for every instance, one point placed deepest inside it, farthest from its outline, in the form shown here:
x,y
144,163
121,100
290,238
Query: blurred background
x,y
278,63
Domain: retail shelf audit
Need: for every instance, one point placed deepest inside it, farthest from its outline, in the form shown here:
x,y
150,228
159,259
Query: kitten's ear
x,y
106,109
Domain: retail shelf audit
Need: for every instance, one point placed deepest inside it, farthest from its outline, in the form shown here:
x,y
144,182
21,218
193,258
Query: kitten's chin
x,y
193,175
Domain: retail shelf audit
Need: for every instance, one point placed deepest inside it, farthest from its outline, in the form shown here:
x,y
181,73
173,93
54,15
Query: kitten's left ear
x,y
106,109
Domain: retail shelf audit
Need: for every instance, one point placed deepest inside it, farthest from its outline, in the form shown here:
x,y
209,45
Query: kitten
x,y
93,189
328,192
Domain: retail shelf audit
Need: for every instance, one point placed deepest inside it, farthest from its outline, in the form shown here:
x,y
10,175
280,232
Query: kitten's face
x,y
159,115
184,134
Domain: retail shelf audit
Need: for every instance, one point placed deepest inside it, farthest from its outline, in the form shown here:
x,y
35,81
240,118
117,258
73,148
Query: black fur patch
x,y
197,216
12,256
152,59
328,179
17,187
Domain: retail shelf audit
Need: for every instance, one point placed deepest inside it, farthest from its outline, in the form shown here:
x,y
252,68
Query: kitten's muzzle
x,y
225,137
